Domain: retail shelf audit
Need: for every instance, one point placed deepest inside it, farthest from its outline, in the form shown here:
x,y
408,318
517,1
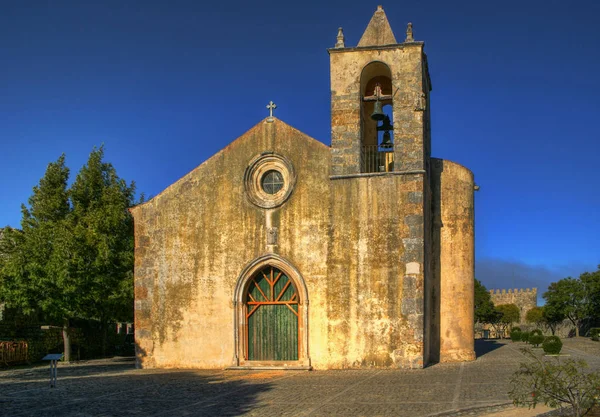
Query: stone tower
x,y
400,69
525,299
422,205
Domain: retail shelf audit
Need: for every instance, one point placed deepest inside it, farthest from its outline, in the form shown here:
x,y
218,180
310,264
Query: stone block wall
x,y
524,298
376,271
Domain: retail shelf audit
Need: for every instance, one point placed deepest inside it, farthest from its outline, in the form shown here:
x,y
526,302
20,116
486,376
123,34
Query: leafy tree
x,y
506,315
535,316
74,255
484,307
568,298
102,258
552,318
591,285
35,271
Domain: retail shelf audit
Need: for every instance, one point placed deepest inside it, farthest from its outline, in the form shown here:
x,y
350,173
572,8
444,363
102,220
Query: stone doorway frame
x,y
239,315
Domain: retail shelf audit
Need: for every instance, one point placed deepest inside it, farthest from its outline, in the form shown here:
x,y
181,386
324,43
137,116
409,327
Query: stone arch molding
x,y
239,318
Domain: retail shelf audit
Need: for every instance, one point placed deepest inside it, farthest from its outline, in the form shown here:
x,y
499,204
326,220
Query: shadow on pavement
x,y
484,346
98,390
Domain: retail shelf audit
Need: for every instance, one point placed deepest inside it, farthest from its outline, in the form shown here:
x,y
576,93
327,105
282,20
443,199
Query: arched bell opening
x,y
377,146
271,315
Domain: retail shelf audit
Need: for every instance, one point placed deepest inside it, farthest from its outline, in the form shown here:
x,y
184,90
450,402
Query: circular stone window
x,y
269,180
272,182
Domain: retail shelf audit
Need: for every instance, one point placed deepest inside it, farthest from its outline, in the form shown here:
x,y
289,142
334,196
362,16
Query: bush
x,y
525,337
535,339
536,331
515,335
595,333
517,328
552,345
555,383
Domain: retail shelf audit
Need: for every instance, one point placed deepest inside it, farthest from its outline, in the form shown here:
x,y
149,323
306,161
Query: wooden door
x,y
272,317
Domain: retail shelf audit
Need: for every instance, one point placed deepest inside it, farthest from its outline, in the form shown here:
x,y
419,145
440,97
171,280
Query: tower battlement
x,y
524,298
513,291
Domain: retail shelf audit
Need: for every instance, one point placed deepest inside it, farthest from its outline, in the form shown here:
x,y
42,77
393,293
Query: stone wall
x,y
525,299
453,260
357,244
375,271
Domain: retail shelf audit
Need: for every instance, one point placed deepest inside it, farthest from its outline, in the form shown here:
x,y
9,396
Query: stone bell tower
x,y
396,75
380,252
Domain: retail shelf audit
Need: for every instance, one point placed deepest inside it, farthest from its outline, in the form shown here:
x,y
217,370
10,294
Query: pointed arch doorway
x,y
271,316
271,313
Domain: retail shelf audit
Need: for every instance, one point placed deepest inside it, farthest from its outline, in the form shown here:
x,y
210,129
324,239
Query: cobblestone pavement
x,y
114,387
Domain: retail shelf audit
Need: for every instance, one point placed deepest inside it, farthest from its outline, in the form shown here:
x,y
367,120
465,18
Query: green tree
x,y
74,255
35,269
484,307
506,315
535,316
552,317
102,258
568,297
591,285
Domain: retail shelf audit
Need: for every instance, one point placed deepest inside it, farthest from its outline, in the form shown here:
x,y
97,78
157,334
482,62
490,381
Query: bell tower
x,y
379,102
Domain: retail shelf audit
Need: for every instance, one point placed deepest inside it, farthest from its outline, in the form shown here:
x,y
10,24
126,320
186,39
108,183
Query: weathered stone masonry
x,y
525,299
381,259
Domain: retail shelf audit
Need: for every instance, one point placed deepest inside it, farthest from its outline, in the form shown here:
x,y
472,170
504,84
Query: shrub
x,y
515,335
552,345
517,328
536,331
555,383
525,337
535,339
595,333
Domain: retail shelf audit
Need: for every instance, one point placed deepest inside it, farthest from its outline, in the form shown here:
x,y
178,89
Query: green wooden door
x,y
272,317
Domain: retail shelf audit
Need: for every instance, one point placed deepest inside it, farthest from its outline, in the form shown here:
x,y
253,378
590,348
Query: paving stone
x,y
114,387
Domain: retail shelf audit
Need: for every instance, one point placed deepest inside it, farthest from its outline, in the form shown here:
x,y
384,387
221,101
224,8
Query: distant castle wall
x,y
525,299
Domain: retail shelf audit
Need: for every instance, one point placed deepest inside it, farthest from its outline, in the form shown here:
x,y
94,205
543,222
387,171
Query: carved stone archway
x,y
245,278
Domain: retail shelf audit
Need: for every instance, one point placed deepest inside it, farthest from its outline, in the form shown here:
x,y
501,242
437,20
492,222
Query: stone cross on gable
x,y
271,106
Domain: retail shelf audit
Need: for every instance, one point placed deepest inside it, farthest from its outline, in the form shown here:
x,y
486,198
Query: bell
x,y
386,124
386,143
377,111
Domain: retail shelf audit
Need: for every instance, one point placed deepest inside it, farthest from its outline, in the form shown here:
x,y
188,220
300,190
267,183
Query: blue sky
x,y
164,85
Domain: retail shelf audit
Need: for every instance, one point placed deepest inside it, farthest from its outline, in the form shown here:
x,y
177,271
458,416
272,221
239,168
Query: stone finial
x,y
340,39
409,33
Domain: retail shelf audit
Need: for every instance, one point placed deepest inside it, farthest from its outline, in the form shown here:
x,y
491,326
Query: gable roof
x,y
262,137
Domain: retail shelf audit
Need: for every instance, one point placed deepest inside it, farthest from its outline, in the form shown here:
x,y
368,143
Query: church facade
x,y
280,251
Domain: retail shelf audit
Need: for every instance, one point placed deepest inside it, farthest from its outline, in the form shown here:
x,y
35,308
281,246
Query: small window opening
x,y
272,182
